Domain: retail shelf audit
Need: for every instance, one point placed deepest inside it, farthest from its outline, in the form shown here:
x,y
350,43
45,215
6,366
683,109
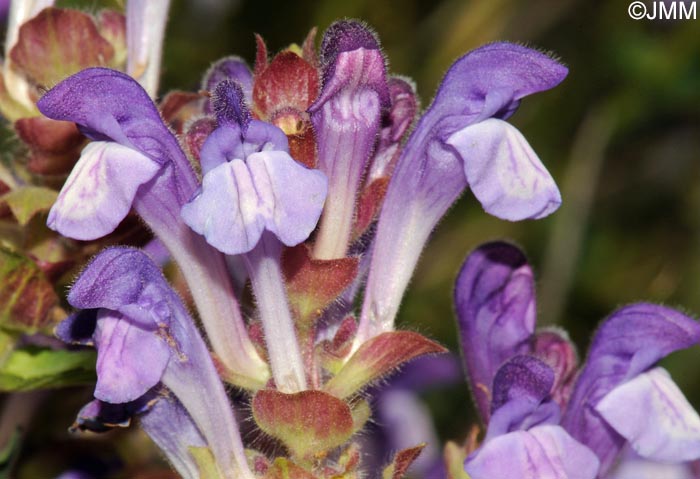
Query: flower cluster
x,y
315,179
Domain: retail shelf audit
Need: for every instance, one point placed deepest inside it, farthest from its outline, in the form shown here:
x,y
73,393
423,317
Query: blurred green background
x,y
621,137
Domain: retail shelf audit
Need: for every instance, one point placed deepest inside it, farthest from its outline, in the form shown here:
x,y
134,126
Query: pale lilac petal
x,y
504,172
98,195
495,302
628,343
296,194
145,333
662,425
227,210
228,142
544,452
130,360
145,30
634,467
268,191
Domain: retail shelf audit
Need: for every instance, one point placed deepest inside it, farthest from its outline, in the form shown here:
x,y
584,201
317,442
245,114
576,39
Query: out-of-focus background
x,y
621,136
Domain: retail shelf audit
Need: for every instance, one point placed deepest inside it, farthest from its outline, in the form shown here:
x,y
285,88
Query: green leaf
x,y
32,368
27,298
27,201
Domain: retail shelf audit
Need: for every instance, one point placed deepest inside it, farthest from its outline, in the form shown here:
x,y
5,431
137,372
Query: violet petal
x,y
662,425
521,390
240,199
130,360
169,425
97,195
495,303
629,342
504,172
544,452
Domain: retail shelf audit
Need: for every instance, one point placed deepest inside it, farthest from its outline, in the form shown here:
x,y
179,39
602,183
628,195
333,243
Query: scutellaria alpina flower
x,y
618,397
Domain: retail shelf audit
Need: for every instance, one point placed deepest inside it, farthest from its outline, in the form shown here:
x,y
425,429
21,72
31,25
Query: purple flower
x,y
144,336
618,397
346,118
523,438
251,184
254,198
461,141
130,136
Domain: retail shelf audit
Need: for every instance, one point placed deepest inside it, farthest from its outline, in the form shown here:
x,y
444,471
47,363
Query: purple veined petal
x,y
504,172
495,302
145,30
628,343
226,212
521,390
147,315
351,56
228,143
297,194
654,416
402,113
130,360
229,68
544,452
97,195
241,199
169,425
521,376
